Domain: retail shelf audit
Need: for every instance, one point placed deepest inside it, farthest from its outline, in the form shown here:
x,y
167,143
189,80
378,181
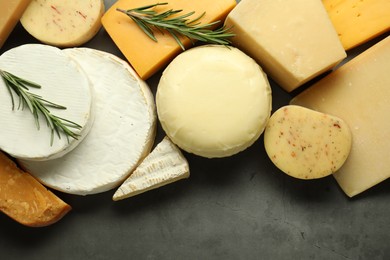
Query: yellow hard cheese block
x,y
145,55
10,13
359,93
294,41
357,21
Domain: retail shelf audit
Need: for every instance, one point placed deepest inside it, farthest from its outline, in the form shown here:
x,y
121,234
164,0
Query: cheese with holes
x,y
62,82
213,101
164,165
25,200
359,93
63,23
122,134
145,55
10,13
306,144
294,41
358,21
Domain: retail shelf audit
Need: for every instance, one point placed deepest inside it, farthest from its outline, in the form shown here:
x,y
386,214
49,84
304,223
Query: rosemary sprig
x,y
148,19
37,105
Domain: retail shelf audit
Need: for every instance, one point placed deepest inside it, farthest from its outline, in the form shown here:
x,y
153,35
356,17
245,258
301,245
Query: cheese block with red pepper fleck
x,y
63,23
307,144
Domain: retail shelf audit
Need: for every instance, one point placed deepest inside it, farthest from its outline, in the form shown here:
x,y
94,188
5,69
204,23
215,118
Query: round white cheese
x,y
63,23
122,135
213,101
62,82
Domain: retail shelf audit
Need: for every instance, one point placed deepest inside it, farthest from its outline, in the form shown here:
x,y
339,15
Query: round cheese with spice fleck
x,y
306,144
63,23
62,82
213,101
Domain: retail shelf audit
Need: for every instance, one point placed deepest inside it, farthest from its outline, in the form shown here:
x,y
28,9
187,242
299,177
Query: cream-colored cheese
x,y
306,144
294,41
213,101
359,93
164,165
62,82
63,23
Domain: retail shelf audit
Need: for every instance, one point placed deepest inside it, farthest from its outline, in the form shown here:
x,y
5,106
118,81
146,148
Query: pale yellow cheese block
x,y
213,101
358,21
359,93
10,13
306,144
63,23
294,41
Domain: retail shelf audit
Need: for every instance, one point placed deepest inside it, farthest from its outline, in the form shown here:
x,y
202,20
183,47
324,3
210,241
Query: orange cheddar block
x,y
10,13
145,55
358,21
26,200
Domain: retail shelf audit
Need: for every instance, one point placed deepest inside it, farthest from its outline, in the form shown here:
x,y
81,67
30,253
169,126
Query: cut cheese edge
x,y
145,55
63,23
307,144
63,82
293,41
358,92
10,13
164,165
357,22
122,135
214,107
25,200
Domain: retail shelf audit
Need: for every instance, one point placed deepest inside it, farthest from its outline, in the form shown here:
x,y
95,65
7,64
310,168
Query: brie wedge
x,y
122,135
164,165
62,82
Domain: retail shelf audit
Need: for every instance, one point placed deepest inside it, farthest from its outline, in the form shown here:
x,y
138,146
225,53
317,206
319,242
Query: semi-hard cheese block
x,y
294,41
164,165
122,135
62,82
306,144
359,93
10,13
25,200
213,101
145,55
63,23
358,21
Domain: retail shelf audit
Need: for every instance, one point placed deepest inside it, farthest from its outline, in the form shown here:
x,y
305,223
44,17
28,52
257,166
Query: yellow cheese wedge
x,y
25,200
306,144
358,21
359,93
293,41
63,23
10,13
145,55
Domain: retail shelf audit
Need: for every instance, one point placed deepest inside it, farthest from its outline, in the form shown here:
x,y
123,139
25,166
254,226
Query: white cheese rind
x,y
122,135
63,23
213,101
62,82
164,165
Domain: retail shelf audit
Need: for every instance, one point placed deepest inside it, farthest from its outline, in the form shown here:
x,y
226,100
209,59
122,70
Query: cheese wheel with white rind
x,y
213,101
62,82
122,135
63,23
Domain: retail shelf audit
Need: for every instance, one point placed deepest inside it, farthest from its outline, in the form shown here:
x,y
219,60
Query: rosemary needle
x,y
37,105
148,19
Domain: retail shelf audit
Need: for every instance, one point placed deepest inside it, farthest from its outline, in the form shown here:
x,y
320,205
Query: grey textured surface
x,y
239,207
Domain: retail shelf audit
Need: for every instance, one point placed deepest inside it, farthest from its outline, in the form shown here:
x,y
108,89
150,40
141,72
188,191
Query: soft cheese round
x,y
63,23
213,101
62,82
123,132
